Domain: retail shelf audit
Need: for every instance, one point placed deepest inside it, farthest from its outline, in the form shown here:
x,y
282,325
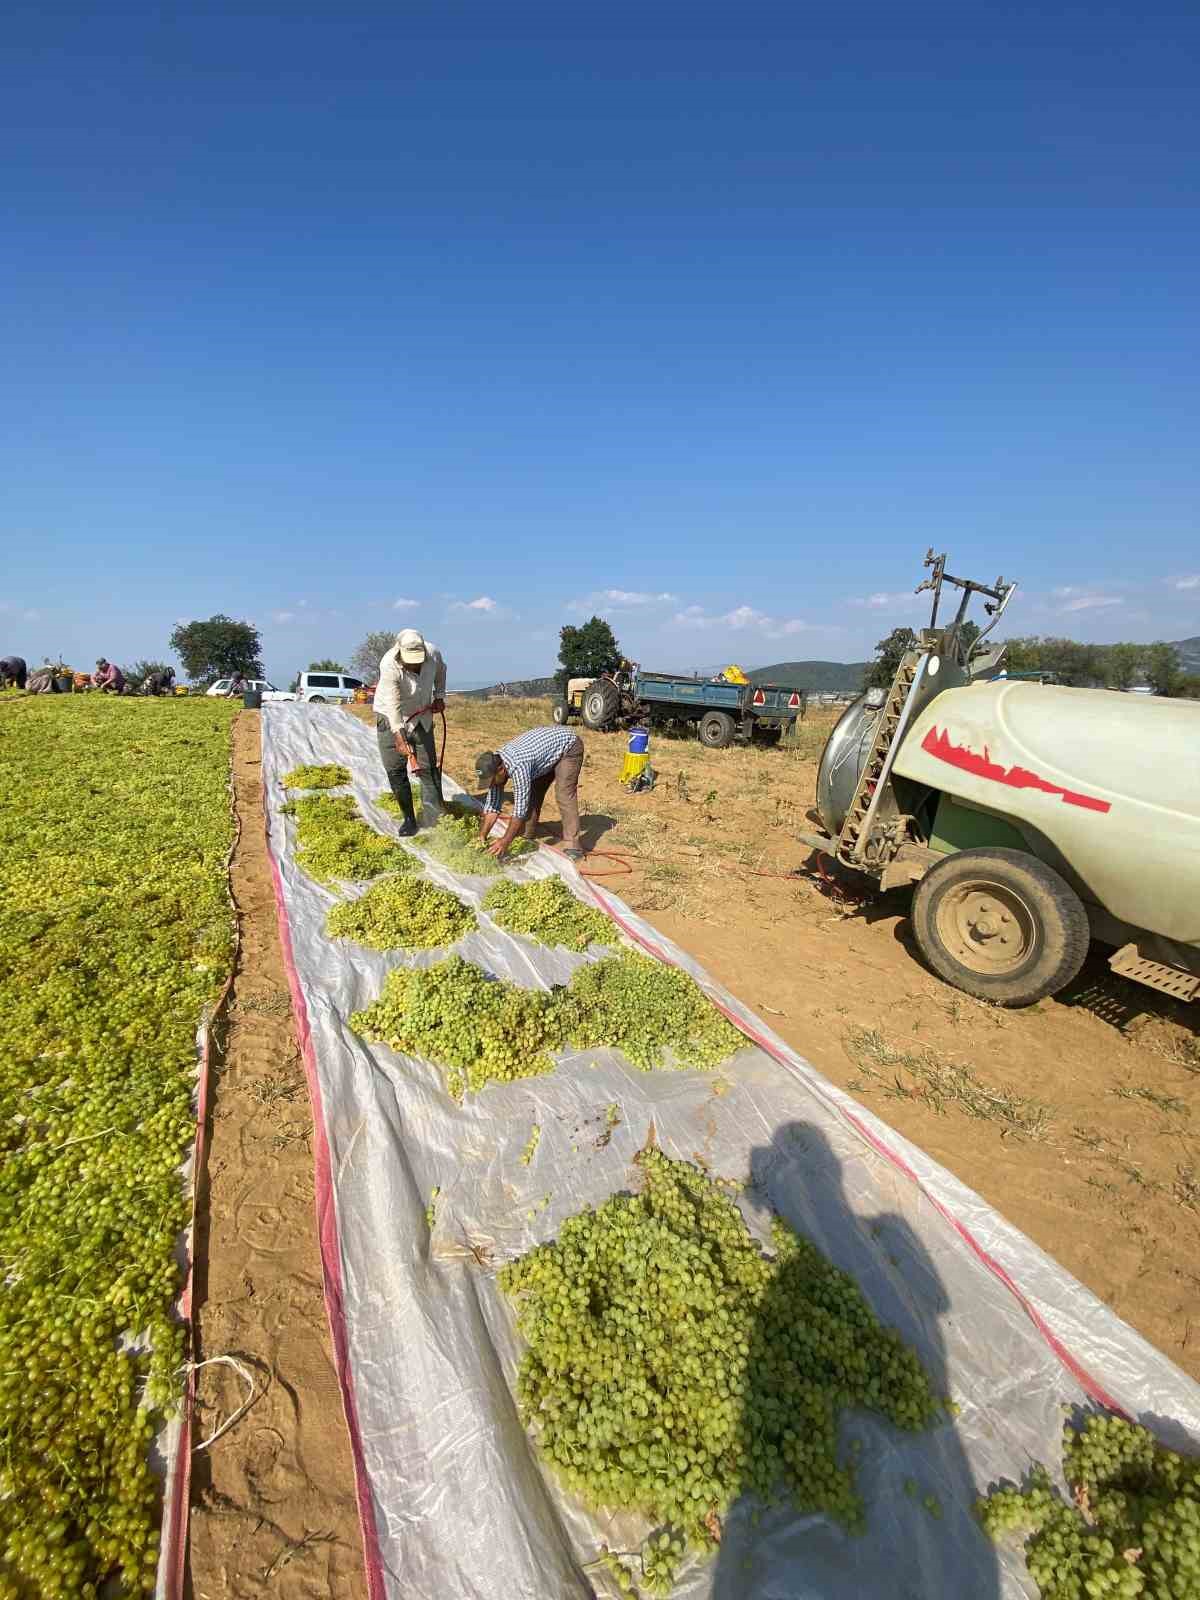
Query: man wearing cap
x,y
411,688
529,762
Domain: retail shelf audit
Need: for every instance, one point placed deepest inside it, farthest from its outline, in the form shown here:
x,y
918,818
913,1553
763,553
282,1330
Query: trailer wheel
x,y
1000,924
561,712
716,730
600,703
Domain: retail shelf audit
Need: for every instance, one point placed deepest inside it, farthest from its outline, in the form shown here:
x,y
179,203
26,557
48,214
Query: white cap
x,y
411,646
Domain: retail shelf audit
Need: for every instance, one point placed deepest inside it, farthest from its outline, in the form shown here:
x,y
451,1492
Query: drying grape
x,y
646,1008
401,913
455,842
387,802
547,912
330,776
671,1366
116,935
333,841
1132,1527
481,1029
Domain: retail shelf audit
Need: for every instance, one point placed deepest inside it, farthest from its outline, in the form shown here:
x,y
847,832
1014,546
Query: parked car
x,y
318,687
267,690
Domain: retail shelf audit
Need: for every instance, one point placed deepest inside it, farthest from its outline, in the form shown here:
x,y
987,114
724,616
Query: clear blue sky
x,y
346,317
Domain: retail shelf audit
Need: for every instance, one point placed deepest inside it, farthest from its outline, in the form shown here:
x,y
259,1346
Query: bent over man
x,y
411,688
530,761
13,672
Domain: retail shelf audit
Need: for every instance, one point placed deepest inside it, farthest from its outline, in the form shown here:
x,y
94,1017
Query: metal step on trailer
x,y
1129,962
878,763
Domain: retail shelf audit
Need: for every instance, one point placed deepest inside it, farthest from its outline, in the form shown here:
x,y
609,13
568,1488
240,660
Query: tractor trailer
x,y
1030,818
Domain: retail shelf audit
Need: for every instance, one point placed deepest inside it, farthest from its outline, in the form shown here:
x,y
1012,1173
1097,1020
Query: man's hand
x,y
403,748
498,847
438,706
487,822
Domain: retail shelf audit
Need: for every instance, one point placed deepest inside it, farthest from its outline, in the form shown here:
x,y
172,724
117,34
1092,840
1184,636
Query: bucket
x,y
639,741
252,699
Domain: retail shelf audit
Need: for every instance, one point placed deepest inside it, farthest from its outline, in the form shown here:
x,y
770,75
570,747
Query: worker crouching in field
x,y
529,762
109,677
411,689
13,672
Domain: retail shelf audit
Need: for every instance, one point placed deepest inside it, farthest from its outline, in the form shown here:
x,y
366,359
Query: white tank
x,y
1112,780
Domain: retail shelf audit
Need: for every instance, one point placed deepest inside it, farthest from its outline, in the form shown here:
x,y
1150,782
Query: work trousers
x,y
565,776
396,767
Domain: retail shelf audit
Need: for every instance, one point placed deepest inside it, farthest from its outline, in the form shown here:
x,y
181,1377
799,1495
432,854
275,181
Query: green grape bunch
x,y
330,776
647,1009
455,842
334,843
116,934
1131,1528
671,1366
401,913
548,913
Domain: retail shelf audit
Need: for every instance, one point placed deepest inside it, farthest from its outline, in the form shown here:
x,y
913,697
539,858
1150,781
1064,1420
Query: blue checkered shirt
x,y
530,755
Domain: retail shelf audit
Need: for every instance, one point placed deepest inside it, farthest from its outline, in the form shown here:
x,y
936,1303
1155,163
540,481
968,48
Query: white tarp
x,y
454,1501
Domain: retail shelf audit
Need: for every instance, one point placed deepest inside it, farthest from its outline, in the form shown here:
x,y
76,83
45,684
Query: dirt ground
x,y
273,1499
1078,1119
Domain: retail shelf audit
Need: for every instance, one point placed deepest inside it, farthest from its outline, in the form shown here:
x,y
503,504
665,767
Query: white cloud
x,y
405,605
1190,581
1073,598
883,601
740,619
283,616
484,606
621,600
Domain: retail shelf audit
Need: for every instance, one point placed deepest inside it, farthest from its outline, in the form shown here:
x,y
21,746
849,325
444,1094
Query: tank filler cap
x,y
935,666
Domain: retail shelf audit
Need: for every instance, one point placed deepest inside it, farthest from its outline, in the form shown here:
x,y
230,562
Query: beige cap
x,y
411,646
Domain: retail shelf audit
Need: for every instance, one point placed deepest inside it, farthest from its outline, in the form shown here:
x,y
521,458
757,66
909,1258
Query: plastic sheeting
x,y
453,1499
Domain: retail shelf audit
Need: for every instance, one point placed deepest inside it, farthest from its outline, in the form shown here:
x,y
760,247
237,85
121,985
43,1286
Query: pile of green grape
x,y
333,842
657,1562
547,912
115,938
481,1029
401,913
455,842
330,776
1132,1528
387,802
671,1366
645,1008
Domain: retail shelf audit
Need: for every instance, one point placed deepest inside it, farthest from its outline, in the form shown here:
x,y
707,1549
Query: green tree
x,y
1122,664
317,666
888,655
586,652
1162,668
364,663
218,648
1188,688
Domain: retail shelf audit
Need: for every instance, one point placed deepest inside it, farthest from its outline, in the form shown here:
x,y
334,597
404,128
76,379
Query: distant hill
x,y
1189,653
831,676
522,688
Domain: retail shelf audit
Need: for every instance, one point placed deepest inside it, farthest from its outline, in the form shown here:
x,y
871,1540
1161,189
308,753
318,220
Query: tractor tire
x,y
561,713
716,730
600,704
1000,925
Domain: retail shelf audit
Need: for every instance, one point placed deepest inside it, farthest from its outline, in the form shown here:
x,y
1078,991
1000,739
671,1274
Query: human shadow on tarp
x,y
922,1541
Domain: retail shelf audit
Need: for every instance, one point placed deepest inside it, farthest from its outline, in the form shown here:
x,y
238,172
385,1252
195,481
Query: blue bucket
x,y
639,741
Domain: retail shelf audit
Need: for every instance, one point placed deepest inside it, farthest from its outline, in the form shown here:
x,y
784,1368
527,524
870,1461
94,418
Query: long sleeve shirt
x,y
111,678
402,690
530,755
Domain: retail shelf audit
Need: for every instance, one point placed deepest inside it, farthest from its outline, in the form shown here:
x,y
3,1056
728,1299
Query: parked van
x,y
317,687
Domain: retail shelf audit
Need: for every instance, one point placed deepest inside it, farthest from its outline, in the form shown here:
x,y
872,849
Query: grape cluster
x,y
658,1561
646,1009
401,913
115,937
455,842
547,911
329,776
334,843
387,802
481,1029
1132,1527
671,1366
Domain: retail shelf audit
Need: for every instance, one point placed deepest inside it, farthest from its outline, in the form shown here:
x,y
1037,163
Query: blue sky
x,y
711,318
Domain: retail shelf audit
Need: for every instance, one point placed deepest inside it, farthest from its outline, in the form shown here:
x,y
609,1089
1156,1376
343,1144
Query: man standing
x,y
12,672
411,688
530,761
108,677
